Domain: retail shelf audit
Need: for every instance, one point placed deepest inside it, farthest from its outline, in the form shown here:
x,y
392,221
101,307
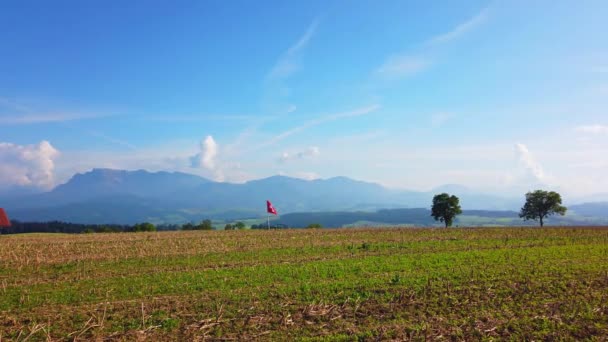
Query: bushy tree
x,y
445,208
228,226
540,204
204,225
314,225
239,225
144,227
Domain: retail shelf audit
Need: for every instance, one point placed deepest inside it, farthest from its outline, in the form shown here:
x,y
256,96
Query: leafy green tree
x,y
144,227
228,226
314,225
204,225
239,225
540,204
445,208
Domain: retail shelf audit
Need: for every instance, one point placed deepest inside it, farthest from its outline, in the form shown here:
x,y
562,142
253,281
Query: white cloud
x,y
310,152
285,156
593,129
209,152
533,171
206,158
29,165
400,66
461,28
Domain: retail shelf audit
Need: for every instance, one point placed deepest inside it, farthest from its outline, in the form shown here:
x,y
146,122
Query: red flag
x,y
4,221
270,209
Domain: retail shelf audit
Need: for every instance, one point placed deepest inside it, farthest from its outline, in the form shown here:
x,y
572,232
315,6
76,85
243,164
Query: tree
x,y
445,208
540,204
314,226
239,225
144,227
228,226
204,225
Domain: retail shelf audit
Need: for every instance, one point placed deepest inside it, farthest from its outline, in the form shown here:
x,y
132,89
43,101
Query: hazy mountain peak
x,y
276,178
132,196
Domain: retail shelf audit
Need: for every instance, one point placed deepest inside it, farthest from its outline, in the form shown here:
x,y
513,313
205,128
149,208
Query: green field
x,y
347,284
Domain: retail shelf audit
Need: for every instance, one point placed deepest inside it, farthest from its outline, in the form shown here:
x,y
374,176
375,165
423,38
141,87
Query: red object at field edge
x,y
4,221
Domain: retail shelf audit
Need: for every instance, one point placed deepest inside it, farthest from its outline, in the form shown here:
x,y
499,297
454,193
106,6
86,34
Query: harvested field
x,y
346,284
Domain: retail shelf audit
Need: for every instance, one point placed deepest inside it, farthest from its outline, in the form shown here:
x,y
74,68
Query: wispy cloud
x,y
276,91
203,118
15,113
593,129
112,139
461,29
529,163
310,152
26,119
397,66
289,62
401,66
319,121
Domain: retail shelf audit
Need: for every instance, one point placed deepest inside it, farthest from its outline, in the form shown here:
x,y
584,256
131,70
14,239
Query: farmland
x,y
346,284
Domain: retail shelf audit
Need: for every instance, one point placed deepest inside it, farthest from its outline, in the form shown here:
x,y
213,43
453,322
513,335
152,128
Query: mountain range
x,y
125,197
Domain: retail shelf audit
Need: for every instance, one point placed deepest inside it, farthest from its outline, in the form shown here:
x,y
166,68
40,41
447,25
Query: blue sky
x,y
498,96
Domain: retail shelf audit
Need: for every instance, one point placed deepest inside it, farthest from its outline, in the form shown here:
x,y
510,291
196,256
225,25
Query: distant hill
x,y
421,217
126,197
598,209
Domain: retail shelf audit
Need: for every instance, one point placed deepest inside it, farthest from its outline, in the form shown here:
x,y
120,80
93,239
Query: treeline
x,y
18,227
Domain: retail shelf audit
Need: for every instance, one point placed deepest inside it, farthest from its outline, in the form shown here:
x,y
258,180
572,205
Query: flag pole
x,y
268,220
